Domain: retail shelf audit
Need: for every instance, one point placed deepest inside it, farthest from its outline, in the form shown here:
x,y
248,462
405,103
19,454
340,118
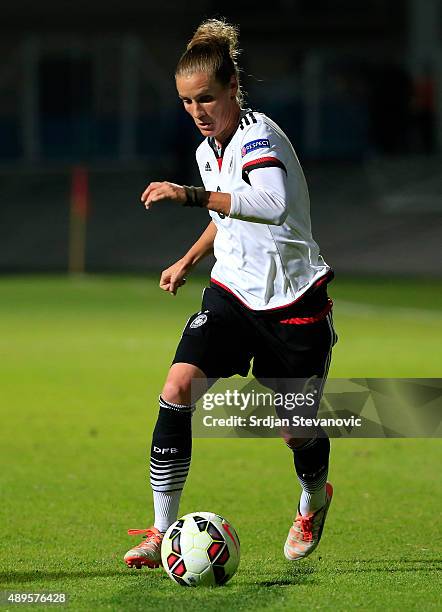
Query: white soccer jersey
x,y
265,253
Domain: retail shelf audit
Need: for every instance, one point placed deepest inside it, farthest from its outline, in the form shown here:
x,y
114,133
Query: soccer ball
x,y
201,548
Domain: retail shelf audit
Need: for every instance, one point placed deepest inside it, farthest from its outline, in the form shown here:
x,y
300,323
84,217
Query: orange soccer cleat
x,y
148,552
306,531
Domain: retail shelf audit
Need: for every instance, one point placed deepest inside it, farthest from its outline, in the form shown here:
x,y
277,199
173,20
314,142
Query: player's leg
x,y
311,455
171,447
170,457
206,351
306,355
311,459
203,355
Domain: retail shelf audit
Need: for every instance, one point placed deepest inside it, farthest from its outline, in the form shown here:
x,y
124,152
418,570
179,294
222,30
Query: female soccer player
x,y
267,298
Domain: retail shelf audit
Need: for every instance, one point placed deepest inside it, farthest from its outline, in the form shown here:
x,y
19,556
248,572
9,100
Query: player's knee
x,y
178,390
185,384
295,443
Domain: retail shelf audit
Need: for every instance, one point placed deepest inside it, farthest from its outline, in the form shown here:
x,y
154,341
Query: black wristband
x,y
195,196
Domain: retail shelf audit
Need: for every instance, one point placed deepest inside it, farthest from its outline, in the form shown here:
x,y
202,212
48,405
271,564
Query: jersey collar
x,y
219,152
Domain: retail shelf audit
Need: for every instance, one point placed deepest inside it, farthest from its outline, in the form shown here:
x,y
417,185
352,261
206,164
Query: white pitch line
x,y
369,310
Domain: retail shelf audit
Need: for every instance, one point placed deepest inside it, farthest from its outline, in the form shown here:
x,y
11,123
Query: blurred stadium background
x,y
89,86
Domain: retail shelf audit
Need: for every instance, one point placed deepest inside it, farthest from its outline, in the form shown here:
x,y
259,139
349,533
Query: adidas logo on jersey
x,y
207,167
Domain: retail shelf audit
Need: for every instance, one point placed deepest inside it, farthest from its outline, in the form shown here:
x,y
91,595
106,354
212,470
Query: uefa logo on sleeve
x,y
253,145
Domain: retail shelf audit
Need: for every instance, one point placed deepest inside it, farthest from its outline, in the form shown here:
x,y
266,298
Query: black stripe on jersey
x,y
268,162
245,120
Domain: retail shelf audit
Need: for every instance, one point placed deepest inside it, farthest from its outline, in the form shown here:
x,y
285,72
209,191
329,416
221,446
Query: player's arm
x,y
263,202
202,247
263,155
175,276
187,196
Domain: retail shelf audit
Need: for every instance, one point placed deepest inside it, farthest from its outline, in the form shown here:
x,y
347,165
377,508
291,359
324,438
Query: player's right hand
x,y
174,277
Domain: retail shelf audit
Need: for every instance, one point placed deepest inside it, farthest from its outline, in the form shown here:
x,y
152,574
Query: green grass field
x,y
83,361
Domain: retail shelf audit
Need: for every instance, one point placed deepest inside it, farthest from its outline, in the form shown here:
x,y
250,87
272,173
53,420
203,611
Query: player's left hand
x,y
156,192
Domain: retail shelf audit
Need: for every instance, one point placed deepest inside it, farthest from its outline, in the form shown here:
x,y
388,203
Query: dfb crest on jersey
x,y
198,321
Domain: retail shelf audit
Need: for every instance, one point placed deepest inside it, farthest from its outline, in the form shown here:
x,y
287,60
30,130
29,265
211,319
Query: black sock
x,y
171,448
311,460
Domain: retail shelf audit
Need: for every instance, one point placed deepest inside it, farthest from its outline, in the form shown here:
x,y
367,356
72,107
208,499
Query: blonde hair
x,y
214,50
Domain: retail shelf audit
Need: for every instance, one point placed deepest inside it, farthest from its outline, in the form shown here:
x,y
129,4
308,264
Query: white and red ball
x,y
201,548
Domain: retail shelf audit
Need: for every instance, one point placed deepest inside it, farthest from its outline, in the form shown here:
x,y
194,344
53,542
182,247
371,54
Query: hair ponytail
x,y
213,49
